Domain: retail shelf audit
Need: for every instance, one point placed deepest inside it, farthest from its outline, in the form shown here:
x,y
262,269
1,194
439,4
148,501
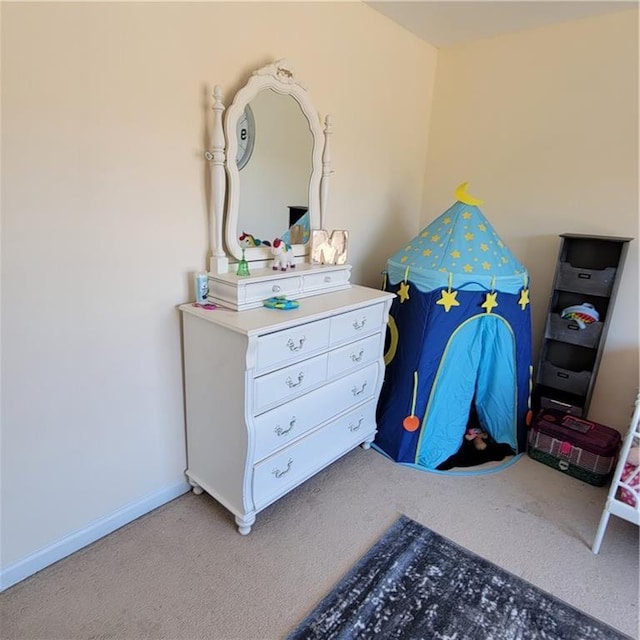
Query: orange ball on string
x,y
411,423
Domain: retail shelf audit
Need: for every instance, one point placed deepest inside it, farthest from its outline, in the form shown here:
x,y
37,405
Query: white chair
x,y
615,505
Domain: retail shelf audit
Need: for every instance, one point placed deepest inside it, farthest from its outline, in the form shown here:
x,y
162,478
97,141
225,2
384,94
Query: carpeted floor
x,y
182,572
413,584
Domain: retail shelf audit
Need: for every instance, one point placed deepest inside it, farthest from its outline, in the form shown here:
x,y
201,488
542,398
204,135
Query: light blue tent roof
x,y
459,249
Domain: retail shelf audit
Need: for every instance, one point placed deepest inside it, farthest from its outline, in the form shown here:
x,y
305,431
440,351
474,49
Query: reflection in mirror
x,y
277,175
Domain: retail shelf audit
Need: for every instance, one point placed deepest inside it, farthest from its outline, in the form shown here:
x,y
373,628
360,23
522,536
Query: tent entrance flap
x,y
478,369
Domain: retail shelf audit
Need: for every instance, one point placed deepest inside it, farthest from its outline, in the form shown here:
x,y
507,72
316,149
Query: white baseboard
x,y
79,539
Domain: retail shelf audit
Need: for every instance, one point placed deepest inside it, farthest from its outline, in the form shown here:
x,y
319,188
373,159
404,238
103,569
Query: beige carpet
x,y
182,572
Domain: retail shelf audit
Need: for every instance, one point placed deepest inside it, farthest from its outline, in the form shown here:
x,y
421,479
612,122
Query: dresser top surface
x,y
263,320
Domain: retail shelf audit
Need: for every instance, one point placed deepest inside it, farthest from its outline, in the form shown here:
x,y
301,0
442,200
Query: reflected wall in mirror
x,y
276,176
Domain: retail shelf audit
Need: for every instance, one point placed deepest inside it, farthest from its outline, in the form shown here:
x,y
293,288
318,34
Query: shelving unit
x,y
588,271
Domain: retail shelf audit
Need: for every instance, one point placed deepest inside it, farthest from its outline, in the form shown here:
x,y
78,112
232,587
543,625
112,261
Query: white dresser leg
x,y
195,487
244,524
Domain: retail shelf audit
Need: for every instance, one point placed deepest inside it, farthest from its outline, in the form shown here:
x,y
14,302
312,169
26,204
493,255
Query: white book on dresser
x,y
273,397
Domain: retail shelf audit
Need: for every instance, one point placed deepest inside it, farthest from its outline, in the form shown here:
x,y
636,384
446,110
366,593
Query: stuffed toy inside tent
x,y
458,353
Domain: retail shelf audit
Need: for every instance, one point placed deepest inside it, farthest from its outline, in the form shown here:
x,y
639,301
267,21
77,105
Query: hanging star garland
x,y
490,301
448,298
403,292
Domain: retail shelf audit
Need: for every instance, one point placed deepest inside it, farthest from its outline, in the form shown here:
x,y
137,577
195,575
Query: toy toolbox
x,y
581,448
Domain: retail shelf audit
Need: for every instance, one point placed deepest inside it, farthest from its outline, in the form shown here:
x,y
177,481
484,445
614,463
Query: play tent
x,y
458,341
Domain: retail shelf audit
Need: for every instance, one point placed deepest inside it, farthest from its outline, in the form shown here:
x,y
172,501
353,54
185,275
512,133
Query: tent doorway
x,y
476,378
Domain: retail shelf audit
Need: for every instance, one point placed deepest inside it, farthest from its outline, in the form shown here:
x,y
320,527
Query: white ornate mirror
x,y
276,176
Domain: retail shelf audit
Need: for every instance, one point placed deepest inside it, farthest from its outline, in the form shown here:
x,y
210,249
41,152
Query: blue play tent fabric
x,y
459,339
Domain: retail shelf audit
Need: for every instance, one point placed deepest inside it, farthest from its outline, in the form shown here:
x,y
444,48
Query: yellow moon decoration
x,y
393,341
463,196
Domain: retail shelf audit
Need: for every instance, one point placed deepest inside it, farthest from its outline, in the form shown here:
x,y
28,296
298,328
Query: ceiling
x,y
446,22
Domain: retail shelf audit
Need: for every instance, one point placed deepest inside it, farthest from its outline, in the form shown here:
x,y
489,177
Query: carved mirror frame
x,y
281,78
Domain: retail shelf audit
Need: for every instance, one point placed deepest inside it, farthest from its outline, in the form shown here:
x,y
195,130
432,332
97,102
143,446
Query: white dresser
x,y
273,397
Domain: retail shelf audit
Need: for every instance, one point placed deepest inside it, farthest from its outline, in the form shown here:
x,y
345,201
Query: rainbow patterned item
x,y
582,314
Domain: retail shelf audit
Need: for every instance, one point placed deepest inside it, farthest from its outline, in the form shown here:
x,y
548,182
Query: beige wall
x,y
544,124
104,112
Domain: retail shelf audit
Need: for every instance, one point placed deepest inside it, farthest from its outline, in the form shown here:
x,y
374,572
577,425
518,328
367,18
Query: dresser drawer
x,y
354,355
352,325
324,280
259,291
290,345
274,429
294,464
289,382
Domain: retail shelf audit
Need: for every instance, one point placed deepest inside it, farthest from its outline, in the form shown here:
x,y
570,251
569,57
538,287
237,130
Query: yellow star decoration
x,y
468,268
484,247
404,258
435,238
524,299
427,252
466,215
455,253
468,236
500,243
447,220
486,266
504,260
403,292
424,234
448,300
482,227
490,302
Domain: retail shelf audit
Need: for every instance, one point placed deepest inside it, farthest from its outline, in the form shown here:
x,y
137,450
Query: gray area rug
x,y
413,583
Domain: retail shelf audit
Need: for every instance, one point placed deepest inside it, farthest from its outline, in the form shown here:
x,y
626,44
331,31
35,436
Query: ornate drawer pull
x,y
355,427
355,389
358,325
276,288
357,358
283,432
278,474
291,384
292,345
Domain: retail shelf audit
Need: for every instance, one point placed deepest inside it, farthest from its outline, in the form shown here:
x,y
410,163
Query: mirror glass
x,y
274,182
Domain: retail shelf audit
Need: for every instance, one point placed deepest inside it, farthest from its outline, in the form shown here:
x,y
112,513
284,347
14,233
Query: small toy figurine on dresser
x,y
282,255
